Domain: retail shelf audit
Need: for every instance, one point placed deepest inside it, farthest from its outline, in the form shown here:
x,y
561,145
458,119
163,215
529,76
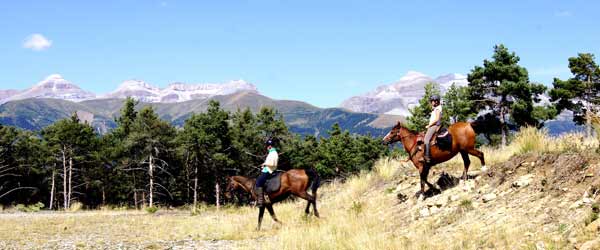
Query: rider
x,y
269,166
435,121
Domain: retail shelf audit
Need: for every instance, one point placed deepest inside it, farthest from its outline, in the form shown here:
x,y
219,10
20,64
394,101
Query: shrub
x,y
466,205
531,139
30,208
152,209
357,207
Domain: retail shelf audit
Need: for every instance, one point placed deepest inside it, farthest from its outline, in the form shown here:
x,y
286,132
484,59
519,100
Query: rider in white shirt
x,y
435,121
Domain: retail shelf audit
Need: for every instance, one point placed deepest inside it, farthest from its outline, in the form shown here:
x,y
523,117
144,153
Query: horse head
x,y
231,186
393,135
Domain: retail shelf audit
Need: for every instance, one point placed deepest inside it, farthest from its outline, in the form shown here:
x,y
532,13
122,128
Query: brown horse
x,y
463,142
295,181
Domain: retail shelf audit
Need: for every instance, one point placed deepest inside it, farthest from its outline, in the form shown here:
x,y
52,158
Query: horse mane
x,y
403,125
243,180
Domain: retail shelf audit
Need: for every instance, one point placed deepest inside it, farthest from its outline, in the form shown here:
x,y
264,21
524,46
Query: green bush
x,y
30,208
152,209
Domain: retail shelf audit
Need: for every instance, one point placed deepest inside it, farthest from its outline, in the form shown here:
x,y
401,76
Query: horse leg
x,y
314,202
310,199
423,176
272,213
261,212
478,154
467,163
307,210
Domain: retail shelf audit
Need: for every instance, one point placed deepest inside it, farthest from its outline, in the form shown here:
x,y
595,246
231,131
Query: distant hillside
x,y
302,118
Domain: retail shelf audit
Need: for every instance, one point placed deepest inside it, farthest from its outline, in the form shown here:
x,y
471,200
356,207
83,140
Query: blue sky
x,y
321,52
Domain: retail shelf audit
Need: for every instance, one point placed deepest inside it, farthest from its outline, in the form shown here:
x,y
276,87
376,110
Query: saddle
x,y
273,182
441,138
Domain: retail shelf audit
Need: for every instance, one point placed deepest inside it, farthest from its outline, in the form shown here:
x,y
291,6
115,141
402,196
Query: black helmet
x,y
269,142
434,98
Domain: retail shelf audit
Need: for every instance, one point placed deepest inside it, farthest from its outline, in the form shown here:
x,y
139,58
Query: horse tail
x,y
477,126
314,180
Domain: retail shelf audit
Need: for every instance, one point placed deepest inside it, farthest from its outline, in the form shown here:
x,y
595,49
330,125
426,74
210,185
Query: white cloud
x,y
37,42
563,13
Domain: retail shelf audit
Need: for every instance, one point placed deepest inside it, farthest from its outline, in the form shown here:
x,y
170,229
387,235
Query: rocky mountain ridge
x,y
56,87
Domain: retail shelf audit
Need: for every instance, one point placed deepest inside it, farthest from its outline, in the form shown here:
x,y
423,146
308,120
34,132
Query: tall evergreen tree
x,y
206,144
580,93
502,86
247,141
150,141
72,143
457,105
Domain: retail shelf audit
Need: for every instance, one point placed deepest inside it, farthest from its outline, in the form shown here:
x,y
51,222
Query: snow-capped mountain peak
x,y
397,97
136,84
412,75
176,91
53,86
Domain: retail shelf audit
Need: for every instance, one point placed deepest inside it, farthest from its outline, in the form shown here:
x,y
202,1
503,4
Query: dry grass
x,y
359,214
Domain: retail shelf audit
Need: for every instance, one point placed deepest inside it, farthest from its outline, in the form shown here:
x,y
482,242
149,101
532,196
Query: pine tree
x,y
72,143
580,93
150,141
502,86
457,105
206,141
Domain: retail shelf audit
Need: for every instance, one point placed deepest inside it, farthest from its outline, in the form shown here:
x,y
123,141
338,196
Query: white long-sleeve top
x,y
271,161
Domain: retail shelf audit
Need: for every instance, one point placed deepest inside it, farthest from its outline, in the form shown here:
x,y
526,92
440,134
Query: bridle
x,y
410,150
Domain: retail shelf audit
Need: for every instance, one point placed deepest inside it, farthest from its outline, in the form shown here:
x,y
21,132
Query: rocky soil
x,y
550,199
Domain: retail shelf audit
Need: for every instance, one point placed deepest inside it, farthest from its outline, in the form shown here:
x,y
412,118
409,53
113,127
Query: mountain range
x,y
301,118
374,112
56,87
396,98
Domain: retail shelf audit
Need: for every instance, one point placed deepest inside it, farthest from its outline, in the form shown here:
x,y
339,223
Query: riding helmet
x,y
269,142
434,98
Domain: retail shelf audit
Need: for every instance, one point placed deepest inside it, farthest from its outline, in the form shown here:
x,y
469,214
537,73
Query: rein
x,y
410,150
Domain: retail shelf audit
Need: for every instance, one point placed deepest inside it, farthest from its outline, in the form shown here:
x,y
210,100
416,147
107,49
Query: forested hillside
x,y
145,160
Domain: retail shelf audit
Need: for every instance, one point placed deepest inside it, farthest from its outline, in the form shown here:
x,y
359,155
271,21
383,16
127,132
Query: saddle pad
x,y
274,182
443,132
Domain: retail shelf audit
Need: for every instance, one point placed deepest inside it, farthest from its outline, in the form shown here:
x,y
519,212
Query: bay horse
x,y
463,142
295,181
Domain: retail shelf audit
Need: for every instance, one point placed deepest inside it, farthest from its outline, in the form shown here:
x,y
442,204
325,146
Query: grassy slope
x,y
365,212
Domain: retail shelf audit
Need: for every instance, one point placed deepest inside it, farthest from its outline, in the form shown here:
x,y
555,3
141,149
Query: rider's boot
x,y
427,156
260,197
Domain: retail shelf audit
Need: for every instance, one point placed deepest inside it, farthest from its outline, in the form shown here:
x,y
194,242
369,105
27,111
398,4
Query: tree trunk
x,y
52,189
195,187
588,122
217,195
103,196
187,174
65,173
143,199
151,174
70,180
503,126
135,194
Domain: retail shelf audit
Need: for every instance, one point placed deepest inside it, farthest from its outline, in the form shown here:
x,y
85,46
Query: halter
x,y
410,150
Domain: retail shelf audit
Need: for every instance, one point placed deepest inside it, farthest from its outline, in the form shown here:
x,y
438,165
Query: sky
x,y
321,52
